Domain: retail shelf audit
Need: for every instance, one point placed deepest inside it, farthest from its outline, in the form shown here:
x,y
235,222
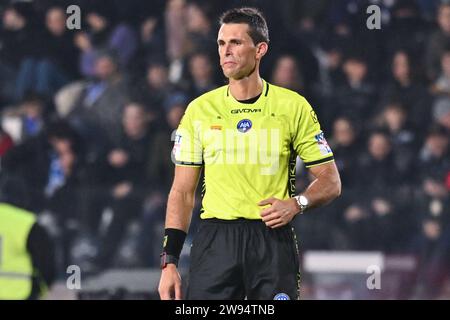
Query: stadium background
x,y
87,117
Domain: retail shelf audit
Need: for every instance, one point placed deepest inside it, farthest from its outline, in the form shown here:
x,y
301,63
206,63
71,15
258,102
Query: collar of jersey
x,y
233,102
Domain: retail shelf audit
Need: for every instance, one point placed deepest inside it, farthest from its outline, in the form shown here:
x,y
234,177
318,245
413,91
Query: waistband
x,y
234,221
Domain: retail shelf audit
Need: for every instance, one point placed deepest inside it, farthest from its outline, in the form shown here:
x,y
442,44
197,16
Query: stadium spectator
x,y
441,87
199,36
441,112
379,177
287,74
394,119
98,108
404,86
154,89
430,243
355,97
407,30
19,50
438,42
104,34
60,45
346,145
201,75
125,181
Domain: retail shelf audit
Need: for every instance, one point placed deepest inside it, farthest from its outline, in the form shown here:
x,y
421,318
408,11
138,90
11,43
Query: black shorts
x,y
240,259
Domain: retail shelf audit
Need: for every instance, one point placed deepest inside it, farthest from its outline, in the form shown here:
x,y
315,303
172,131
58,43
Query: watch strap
x,y
167,258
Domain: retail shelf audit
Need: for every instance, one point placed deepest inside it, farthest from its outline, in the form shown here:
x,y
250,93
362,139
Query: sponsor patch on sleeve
x,y
322,143
177,146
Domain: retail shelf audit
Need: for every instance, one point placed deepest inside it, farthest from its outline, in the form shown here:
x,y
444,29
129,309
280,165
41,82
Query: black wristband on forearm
x,y
173,241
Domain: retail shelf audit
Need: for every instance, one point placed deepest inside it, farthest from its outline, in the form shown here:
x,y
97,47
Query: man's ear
x,y
261,49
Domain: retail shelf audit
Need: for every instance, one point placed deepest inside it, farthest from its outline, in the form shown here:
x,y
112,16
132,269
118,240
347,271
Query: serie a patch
x,y
177,145
322,143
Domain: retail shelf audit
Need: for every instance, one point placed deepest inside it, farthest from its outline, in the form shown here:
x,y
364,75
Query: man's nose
x,y
227,50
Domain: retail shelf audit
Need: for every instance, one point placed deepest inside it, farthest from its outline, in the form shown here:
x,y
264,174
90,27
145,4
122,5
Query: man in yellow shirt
x,y
246,135
27,253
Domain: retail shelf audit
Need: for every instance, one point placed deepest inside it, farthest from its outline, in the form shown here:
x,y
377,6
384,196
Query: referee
x,y
246,135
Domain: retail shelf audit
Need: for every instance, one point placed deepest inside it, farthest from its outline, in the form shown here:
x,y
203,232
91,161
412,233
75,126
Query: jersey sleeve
x,y
309,140
187,149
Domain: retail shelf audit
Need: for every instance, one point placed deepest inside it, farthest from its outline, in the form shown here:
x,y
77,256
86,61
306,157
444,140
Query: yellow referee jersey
x,y
248,150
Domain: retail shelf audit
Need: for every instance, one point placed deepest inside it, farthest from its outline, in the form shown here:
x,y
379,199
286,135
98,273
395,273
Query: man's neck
x,y
246,88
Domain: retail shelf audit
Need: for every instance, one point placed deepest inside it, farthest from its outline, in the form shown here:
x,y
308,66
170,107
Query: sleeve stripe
x,y
185,163
312,163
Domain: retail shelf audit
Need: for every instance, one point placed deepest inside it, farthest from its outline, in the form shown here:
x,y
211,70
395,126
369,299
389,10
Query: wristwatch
x,y
302,202
166,259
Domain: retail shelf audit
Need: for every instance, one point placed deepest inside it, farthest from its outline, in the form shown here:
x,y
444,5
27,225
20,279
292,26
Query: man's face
x,y
400,66
200,67
238,54
343,132
157,76
56,21
33,110
355,70
105,68
379,146
395,117
437,144
12,20
96,21
134,120
286,72
444,18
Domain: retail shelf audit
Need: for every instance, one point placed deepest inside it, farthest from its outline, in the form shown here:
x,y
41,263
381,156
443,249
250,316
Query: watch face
x,y
303,201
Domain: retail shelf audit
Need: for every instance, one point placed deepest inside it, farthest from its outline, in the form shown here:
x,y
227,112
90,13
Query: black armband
x,y
173,242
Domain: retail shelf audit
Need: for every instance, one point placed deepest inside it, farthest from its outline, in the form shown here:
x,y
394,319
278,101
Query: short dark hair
x,y
253,18
61,129
14,190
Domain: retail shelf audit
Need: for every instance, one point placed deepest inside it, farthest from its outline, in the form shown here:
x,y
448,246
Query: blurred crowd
x,y
87,117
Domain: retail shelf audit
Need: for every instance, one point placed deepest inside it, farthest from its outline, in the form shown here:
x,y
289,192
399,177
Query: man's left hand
x,y
280,213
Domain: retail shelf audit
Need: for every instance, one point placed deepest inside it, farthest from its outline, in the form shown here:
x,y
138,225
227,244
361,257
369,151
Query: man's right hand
x,y
170,283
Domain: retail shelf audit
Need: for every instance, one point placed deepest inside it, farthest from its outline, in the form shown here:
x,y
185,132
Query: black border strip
x,y
307,164
189,163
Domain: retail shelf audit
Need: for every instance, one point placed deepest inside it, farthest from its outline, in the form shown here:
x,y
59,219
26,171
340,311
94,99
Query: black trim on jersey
x,y
297,256
319,161
251,100
189,163
291,171
202,194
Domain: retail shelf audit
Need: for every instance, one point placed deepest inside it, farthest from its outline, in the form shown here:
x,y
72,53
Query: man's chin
x,y
228,77
227,73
